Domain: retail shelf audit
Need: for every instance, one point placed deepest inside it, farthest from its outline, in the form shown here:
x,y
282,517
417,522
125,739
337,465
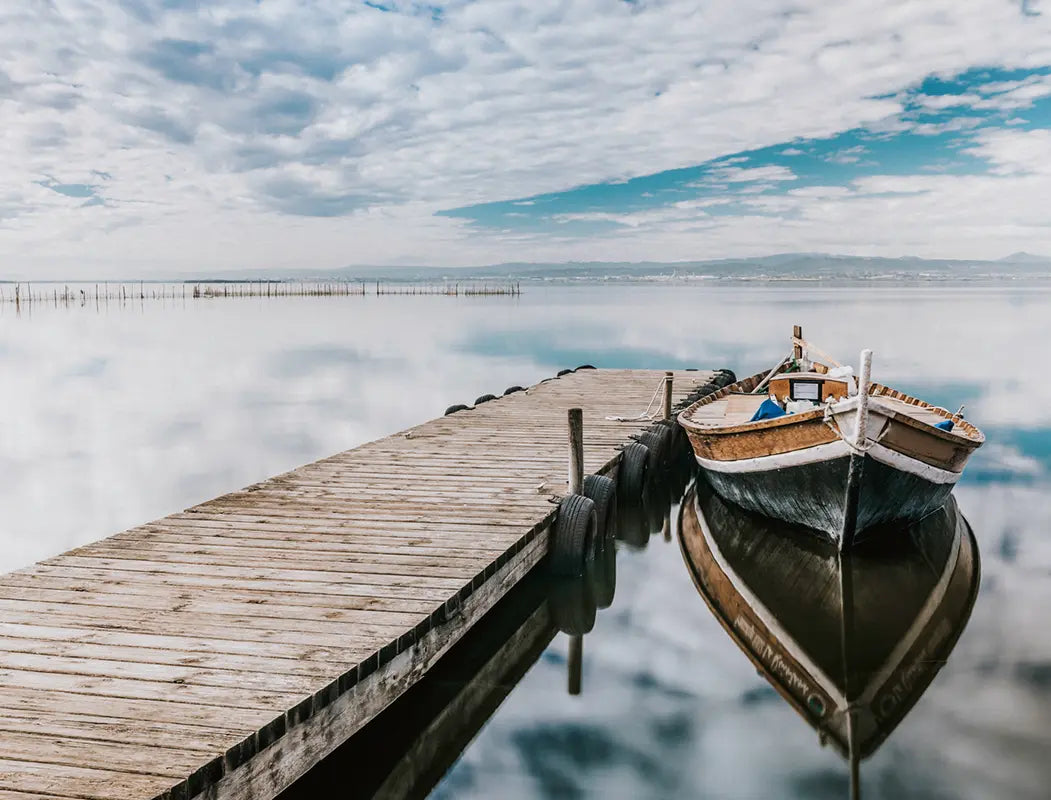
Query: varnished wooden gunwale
x,y
224,649
948,450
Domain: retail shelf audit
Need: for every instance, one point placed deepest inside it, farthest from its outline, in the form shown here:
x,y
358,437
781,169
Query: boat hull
x,y
812,469
841,494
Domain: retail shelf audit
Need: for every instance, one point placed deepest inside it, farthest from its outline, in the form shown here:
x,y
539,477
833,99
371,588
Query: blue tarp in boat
x,y
768,410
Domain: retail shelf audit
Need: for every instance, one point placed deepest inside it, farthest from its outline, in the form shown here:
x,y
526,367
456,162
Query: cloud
x,y
252,117
848,155
1015,152
743,174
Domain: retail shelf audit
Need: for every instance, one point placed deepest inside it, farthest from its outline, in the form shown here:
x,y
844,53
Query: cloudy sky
x,y
156,136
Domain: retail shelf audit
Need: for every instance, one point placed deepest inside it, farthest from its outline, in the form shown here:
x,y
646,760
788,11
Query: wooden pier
x,y
223,651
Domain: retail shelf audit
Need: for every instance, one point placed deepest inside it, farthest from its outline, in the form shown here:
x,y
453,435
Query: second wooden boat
x,y
808,443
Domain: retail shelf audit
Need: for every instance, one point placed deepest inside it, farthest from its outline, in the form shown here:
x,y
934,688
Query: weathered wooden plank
x,y
184,642
88,783
151,552
159,760
189,580
271,679
140,689
230,630
313,663
245,597
237,607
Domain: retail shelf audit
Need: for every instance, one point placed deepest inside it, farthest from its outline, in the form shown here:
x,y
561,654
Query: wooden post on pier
x,y
576,451
797,348
668,378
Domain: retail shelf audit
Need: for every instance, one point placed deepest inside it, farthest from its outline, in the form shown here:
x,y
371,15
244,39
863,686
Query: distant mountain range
x,y
784,266
1025,258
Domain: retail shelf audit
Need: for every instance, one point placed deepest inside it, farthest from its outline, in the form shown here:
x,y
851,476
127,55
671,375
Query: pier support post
x,y
576,451
668,378
575,664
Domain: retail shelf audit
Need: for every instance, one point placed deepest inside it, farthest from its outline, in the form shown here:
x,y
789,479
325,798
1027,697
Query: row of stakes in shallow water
x,y
629,504
28,293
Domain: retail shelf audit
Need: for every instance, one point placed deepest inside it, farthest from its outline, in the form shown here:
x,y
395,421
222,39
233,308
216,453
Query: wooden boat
x,y
845,460
850,640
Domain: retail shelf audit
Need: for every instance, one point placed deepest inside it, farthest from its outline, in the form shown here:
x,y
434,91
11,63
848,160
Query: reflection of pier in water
x,y
850,641
406,750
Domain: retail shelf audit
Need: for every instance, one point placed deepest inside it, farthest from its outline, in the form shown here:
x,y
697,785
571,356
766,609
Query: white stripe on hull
x,y
828,452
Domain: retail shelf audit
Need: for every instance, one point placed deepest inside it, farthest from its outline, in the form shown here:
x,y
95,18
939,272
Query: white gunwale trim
x,y
828,452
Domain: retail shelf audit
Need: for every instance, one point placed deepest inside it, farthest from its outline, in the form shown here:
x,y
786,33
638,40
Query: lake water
x,y
114,416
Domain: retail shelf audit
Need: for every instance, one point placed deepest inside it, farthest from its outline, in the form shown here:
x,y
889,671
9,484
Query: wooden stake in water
x,y
575,664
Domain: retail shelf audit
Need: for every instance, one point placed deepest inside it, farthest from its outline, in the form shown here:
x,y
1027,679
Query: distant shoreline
x,y
788,267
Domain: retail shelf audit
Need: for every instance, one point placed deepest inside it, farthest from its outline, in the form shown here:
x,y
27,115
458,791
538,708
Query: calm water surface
x,y
113,417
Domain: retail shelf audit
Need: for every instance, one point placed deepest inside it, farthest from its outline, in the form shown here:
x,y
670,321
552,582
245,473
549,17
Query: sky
x,y
155,137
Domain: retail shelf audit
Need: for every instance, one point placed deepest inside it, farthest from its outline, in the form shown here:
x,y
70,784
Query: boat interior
x,y
798,385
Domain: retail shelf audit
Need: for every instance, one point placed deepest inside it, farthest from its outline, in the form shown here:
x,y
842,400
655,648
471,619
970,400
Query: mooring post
x,y
576,451
861,428
668,378
575,663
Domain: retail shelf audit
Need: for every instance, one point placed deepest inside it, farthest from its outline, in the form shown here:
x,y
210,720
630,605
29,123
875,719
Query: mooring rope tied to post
x,y
647,414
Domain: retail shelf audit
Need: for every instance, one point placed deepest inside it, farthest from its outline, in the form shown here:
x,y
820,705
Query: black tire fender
x,y
603,493
454,409
485,398
633,473
574,536
657,443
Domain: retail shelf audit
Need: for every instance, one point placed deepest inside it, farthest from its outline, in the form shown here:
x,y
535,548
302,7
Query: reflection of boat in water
x,y
804,444
850,640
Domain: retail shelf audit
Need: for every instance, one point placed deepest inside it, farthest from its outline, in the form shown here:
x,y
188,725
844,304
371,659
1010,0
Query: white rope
x,y
860,449
645,415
